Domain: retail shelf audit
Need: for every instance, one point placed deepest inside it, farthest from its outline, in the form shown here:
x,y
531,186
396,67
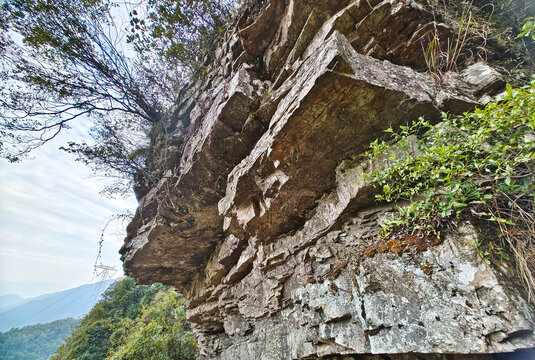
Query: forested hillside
x,y
36,342
132,322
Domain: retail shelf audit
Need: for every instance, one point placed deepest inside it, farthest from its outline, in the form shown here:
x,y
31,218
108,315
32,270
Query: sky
x,y
51,217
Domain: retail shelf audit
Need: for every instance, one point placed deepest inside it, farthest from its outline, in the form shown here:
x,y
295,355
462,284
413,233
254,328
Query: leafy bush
x,y
161,332
91,339
133,322
482,161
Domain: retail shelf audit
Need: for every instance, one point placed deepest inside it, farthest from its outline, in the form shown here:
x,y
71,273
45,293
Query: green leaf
x,y
464,162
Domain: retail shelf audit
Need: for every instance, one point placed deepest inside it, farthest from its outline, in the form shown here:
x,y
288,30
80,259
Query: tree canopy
x,y
70,65
35,342
132,322
160,332
70,60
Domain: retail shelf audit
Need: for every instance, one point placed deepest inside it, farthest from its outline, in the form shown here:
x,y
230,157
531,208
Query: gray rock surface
x,y
265,222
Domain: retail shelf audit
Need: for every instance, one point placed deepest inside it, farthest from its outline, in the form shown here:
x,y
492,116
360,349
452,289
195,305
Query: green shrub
x,y
90,340
161,332
482,161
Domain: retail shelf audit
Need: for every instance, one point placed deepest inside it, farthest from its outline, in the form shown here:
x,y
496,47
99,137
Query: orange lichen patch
x,y
422,242
278,153
426,268
398,245
336,271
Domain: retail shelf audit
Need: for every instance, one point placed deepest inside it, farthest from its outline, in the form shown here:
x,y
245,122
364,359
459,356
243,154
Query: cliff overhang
x,y
263,222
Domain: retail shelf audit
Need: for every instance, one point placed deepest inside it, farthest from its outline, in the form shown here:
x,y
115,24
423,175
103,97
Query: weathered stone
x,y
483,79
292,23
264,220
257,35
177,214
319,97
230,250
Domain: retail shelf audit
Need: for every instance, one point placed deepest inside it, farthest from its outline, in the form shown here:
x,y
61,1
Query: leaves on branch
x,y
67,61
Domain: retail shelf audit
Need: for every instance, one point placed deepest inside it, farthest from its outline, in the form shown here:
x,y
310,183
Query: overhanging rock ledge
x,y
263,221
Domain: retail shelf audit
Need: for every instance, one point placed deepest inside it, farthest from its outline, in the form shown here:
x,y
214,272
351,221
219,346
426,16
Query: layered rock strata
x,y
266,222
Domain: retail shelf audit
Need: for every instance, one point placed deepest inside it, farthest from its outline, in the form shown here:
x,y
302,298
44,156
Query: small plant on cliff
x,y
480,164
528,30
485,30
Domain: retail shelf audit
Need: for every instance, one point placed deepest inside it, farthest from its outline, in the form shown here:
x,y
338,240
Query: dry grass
x,y
445,54
520,238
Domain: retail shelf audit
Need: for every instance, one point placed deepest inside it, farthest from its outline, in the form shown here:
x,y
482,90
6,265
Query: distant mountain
x,y
73,303
29,289
36,342
9,301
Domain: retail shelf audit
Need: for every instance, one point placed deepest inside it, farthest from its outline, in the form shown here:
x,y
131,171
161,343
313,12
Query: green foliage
x,y
180,31
36,342
504,20
160,332
132,322
463,160
482,161
91,339
115,151
528,30
71,62
493,252
67,66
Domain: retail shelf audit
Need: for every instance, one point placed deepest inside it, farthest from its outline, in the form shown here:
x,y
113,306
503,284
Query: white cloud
x,y
51,216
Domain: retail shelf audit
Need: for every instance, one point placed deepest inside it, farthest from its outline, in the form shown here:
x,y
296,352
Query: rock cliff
x,y
263,220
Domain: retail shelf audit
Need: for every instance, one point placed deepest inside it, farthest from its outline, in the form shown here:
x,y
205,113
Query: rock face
x,y
266,222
